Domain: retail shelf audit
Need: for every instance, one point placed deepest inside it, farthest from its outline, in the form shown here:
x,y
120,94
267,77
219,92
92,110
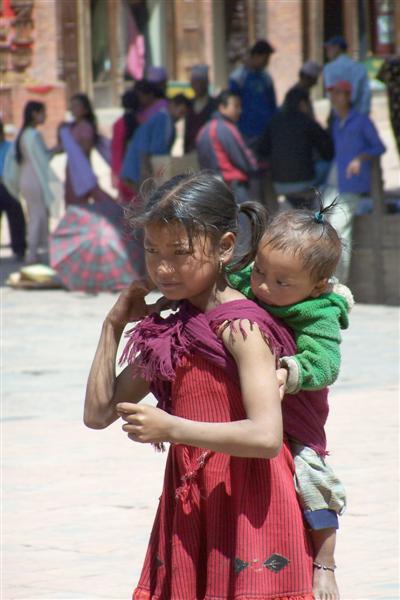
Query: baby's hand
x,y
282,375
144,423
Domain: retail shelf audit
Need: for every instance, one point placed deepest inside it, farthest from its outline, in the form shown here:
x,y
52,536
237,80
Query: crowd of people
x,y
261,151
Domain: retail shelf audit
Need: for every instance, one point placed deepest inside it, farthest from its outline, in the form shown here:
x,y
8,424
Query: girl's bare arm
x,y
258,436
104,390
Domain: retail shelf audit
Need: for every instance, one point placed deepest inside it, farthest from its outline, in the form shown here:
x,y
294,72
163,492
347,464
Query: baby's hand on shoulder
x,y
282,376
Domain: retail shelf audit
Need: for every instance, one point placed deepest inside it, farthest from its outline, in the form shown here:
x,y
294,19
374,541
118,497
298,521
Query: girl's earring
x,y
221,266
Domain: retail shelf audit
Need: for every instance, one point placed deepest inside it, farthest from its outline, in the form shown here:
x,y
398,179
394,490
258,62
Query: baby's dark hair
x,y
204,205
308,235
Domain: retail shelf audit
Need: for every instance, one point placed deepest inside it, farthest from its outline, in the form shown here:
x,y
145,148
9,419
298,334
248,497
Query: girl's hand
x,y
145,424
130,305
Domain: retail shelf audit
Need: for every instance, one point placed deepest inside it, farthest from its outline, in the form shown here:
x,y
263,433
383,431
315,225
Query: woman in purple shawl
x,y
228,523
78,140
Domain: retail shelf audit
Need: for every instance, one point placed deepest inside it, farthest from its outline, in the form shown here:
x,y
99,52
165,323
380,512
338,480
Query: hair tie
x,y
318,217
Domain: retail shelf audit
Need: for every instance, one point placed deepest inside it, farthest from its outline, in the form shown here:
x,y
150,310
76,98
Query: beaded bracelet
x,y
324,567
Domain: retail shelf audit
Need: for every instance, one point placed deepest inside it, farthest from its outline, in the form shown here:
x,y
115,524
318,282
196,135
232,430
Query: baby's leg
x,y
322,498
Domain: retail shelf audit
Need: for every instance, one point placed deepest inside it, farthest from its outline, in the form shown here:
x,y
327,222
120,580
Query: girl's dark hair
x,y
203,204
89,112
130,103
31,107
308,235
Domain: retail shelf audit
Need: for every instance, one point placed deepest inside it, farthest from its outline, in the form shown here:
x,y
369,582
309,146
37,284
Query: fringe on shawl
x,y
146,348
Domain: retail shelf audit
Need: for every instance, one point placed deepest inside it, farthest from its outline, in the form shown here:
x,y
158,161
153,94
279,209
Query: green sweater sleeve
x,y
316,323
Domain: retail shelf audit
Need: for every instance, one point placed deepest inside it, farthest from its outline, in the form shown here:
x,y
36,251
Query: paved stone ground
x,y
78,504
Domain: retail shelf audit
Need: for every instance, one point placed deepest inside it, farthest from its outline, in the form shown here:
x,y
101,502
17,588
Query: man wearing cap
x,y
343,68
356,143
308,78
159,77
202,107
256,90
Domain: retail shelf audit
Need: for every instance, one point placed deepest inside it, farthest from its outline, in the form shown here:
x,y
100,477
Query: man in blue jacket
x,y
153,138
356,142
254,85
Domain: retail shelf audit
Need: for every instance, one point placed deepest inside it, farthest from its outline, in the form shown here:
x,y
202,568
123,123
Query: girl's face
x,y
179,271
39,117
77,109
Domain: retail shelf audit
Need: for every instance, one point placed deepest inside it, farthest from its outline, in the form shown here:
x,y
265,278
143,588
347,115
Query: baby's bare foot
x,y
324,585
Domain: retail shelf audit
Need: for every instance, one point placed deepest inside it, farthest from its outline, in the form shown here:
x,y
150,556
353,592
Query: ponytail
x,y
31,107
257,216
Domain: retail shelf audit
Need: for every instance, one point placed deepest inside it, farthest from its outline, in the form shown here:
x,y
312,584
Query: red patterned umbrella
x,y
90,251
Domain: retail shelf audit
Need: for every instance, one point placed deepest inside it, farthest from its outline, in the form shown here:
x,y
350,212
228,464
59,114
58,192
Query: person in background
x,y
203,106
356,143
221,148
27,172
11,206
154,137
389,73
308,78
290,143
123,130
149,101
84,131
343,68
254,85
159,77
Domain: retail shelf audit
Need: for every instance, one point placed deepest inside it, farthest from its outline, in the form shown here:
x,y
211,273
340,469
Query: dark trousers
x,y
16,220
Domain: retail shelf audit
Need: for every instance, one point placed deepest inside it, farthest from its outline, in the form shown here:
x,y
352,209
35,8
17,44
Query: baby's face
x,y
279,278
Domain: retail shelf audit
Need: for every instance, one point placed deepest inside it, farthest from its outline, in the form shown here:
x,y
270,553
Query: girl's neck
x,y
218,294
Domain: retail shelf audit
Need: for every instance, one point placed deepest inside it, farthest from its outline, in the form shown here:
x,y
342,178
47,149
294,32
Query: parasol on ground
x,y
92,251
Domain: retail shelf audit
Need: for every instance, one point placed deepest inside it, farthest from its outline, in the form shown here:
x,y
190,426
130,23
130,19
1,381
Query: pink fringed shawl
x,y
156,347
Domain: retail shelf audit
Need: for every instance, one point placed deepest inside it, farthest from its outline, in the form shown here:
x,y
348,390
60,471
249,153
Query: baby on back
x,y
291,278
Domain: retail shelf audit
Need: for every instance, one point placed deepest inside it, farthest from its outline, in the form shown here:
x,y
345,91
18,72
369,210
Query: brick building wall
x,y
284,32
44,68
40,80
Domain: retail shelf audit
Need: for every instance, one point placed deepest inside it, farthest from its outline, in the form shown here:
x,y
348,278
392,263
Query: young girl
x,y
290,277
228,524
31,176
85,135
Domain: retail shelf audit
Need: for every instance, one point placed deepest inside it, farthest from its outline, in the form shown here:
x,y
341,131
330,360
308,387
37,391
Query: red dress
x,y
226,528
